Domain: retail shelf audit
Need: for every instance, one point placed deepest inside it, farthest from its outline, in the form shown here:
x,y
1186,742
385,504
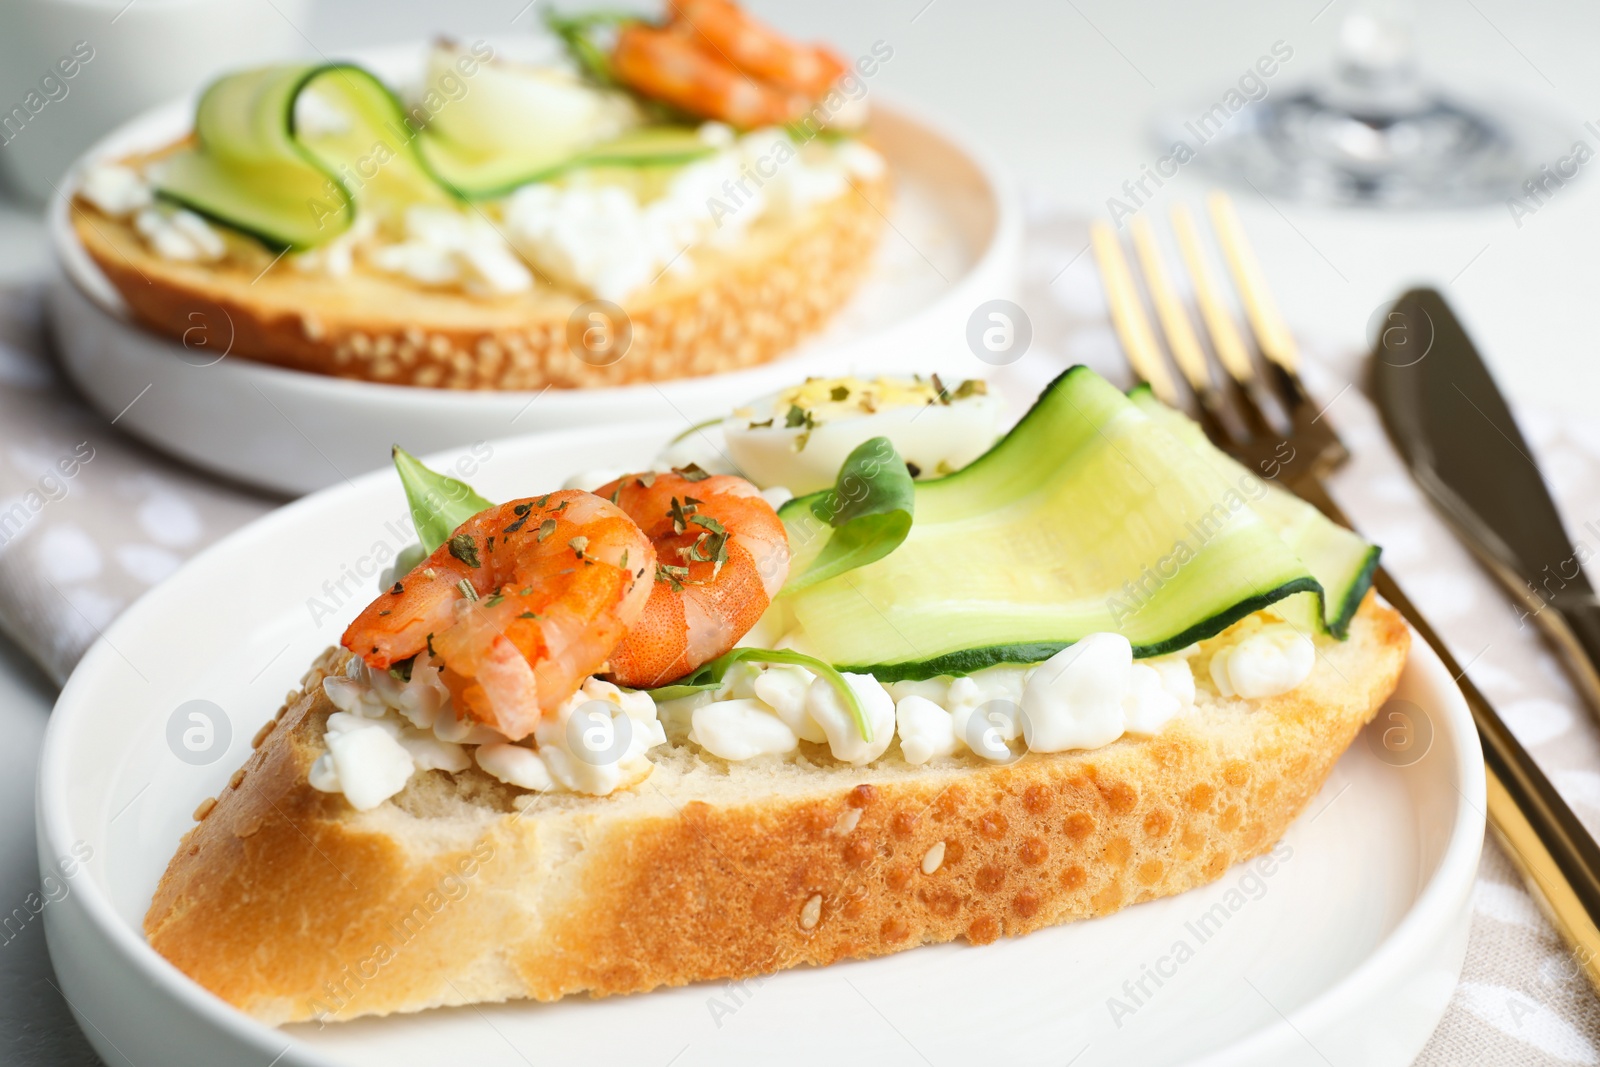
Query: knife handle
x,y
1558,859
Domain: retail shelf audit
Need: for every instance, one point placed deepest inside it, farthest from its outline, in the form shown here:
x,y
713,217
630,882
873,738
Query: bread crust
x,y
290,905
738,308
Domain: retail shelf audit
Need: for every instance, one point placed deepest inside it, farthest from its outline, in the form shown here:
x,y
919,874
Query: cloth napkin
x,y
89,519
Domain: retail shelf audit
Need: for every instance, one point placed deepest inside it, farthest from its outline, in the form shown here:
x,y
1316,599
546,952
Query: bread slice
x,y
738,307
291,905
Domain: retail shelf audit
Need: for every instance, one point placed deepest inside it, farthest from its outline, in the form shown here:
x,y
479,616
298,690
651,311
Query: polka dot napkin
x,y
89,519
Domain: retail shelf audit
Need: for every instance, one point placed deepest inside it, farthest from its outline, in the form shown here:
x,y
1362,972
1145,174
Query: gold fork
x,y
1259,413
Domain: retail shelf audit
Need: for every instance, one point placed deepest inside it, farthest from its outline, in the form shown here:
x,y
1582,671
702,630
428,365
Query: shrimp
x,y
522,604
670,67
721,555
725,29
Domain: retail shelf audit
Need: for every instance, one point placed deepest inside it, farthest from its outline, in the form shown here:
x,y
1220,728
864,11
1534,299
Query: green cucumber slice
x,y
489,172
251,170
1090,515
1341,561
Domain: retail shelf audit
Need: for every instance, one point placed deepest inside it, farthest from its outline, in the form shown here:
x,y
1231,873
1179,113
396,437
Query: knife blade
x,y
1461,443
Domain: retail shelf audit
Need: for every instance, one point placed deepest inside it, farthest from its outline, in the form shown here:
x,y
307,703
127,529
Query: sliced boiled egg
x,y
799,437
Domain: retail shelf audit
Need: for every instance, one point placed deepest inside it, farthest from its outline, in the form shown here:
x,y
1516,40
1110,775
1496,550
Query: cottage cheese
x,y
1086,696
172,232
601,238
387,729
116,190
449,248
599,740
1271,660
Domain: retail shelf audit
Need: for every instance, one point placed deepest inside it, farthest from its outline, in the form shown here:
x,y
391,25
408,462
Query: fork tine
x,y
1247,419
1278,349
1221,419
1225,340
1272,337
1170,312
1128,317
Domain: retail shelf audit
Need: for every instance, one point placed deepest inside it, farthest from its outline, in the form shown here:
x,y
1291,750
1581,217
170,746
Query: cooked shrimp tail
x,y
721,555
669,66
725,29
522,603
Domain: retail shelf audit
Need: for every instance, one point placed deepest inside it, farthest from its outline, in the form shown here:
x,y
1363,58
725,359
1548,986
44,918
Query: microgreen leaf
x,y
438,502
864,517
709,676
587,48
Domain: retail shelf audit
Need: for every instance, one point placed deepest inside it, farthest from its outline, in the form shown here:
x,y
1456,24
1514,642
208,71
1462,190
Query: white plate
x,y
1346,954
952,244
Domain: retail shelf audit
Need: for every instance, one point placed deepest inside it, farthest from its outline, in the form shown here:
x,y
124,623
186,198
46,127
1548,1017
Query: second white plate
x,y
1343,952
952,244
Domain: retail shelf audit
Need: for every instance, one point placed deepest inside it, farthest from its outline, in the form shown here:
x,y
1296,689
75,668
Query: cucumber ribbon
x,y
1340,559
1092,514
252,168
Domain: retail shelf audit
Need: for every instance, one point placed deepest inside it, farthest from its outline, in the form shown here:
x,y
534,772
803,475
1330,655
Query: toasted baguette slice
x,y
737,308
291,905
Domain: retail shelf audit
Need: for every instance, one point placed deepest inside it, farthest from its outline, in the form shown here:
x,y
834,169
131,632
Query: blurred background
x,y
1069,95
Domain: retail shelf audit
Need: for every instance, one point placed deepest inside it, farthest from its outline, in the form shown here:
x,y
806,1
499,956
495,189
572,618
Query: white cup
x,y
72,70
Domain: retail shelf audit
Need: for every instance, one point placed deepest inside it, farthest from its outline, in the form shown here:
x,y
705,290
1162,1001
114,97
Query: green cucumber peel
x,y
1089,515
709,676
1342,561
439,503
970,660
254,171
863,518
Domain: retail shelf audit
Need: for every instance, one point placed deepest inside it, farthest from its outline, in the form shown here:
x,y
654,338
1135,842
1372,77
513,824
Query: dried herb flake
x,y
464,548
692,473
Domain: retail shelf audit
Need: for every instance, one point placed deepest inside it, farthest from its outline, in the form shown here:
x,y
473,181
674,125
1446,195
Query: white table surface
x,y
1065,92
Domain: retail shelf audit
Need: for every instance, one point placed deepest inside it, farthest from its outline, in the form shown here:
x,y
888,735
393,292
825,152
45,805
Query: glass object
x,y
1377,132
